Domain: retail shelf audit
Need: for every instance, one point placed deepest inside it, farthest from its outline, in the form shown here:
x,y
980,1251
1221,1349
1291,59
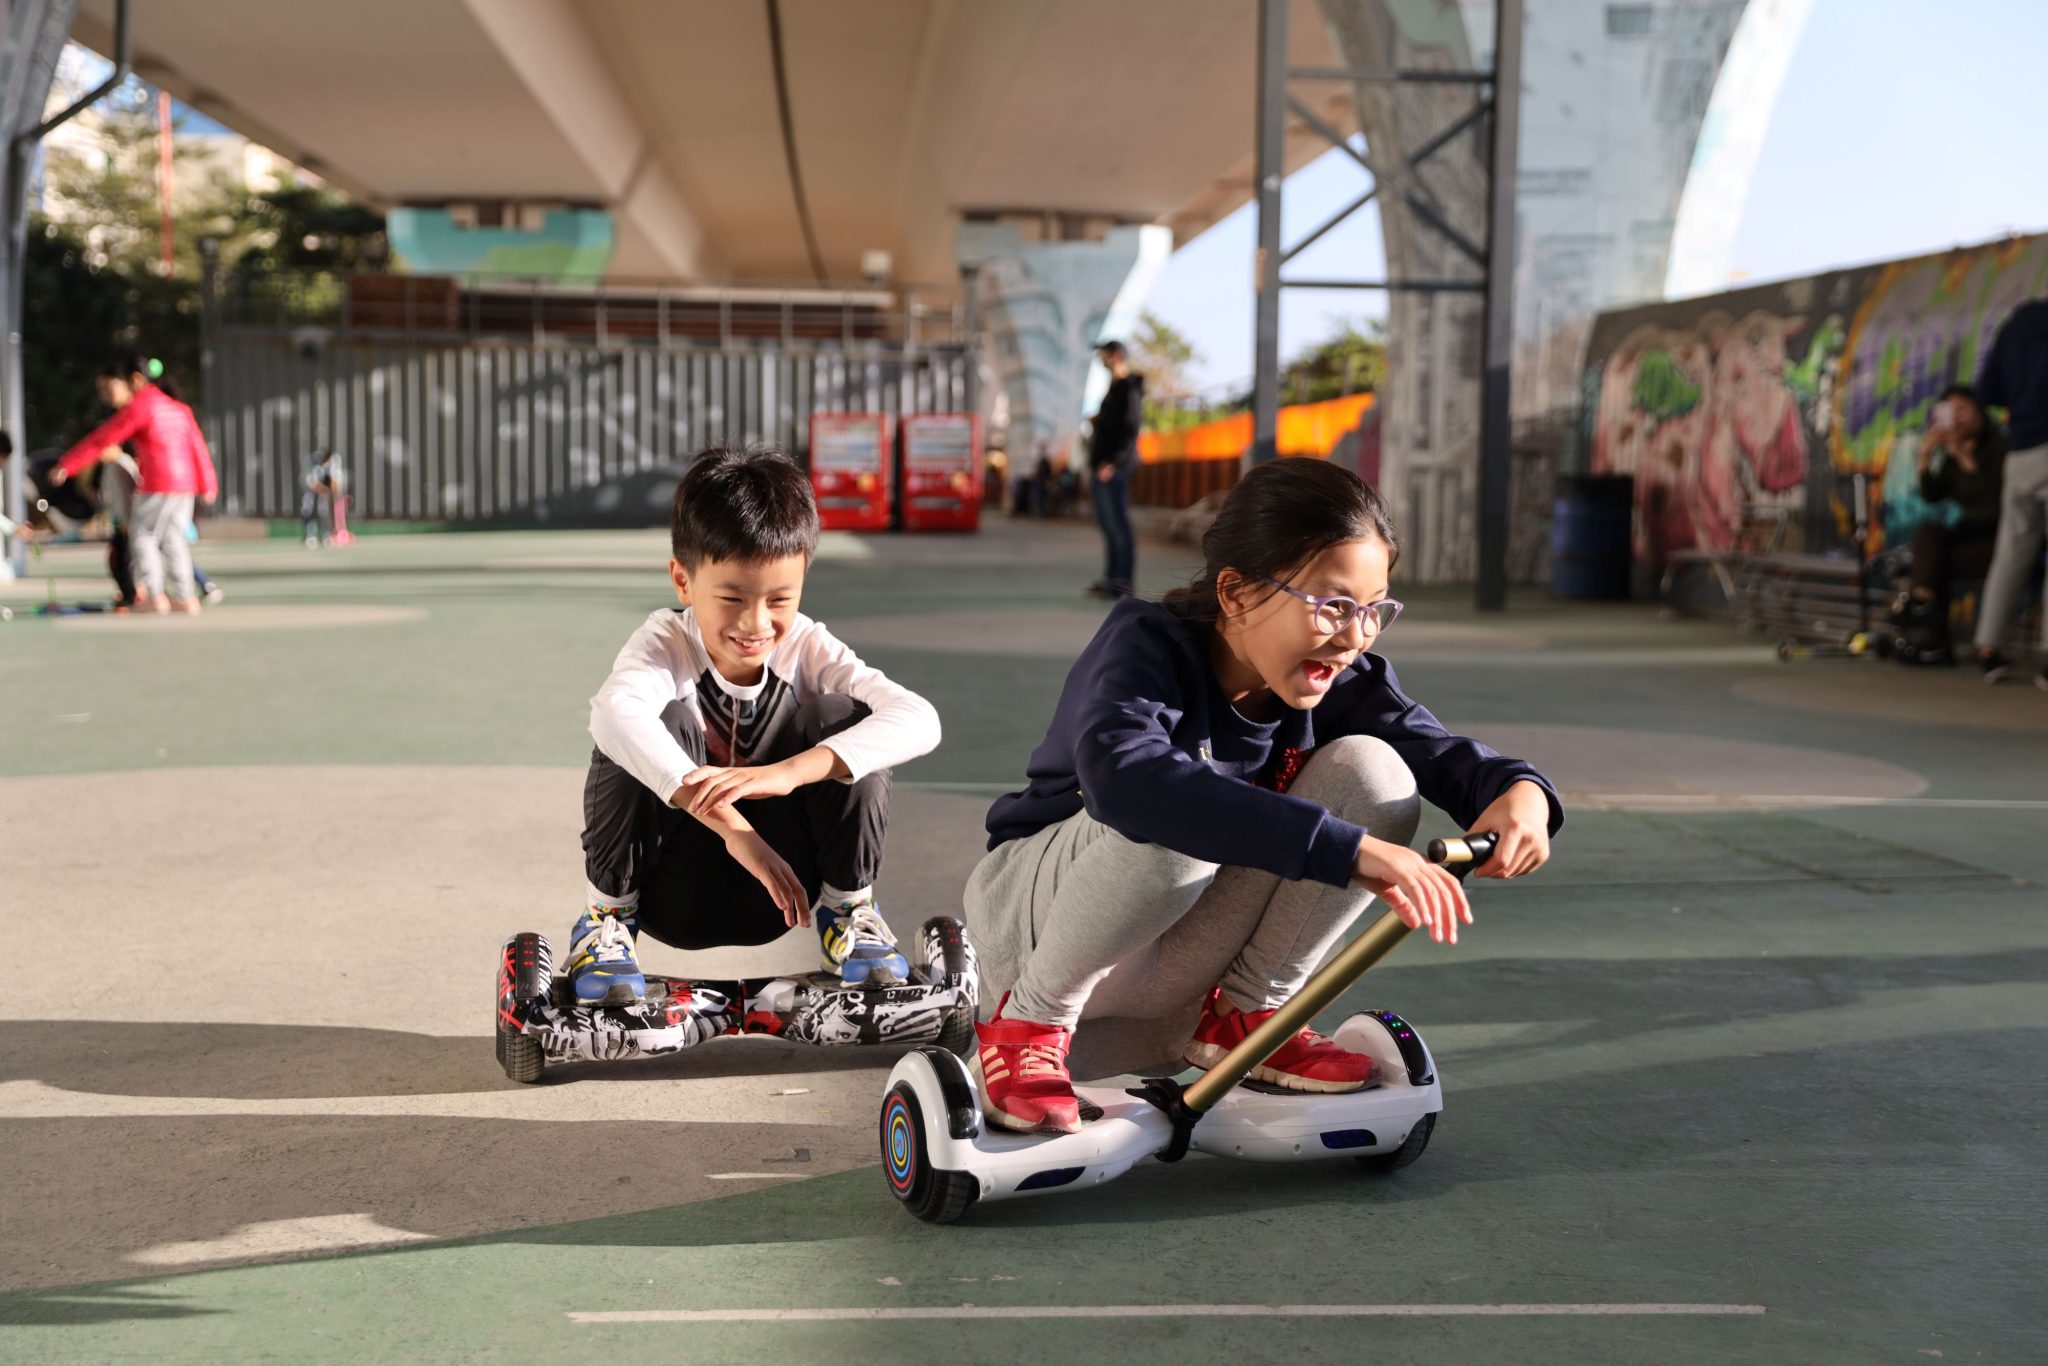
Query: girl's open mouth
x,y
1319,673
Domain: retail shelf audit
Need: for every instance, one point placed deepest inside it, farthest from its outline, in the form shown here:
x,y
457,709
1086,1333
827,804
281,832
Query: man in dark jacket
x,y
2015,377
1113,458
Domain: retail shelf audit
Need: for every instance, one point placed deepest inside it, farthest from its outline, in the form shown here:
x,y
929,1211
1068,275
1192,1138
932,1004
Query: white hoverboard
x,y
940,1157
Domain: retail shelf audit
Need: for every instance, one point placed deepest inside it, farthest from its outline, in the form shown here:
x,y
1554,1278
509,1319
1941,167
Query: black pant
x,y
1942,555
1112,498
695,895
118,565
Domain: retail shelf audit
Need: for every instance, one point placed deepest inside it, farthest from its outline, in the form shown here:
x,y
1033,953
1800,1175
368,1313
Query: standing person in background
x,y
325,481
1112,458
2015,377
173,468
8,526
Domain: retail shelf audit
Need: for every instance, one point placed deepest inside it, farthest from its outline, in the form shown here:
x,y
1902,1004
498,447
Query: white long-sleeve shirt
x,y
665,662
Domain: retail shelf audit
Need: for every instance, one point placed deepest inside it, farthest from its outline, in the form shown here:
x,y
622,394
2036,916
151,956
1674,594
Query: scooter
x,y
540,1022
940,1158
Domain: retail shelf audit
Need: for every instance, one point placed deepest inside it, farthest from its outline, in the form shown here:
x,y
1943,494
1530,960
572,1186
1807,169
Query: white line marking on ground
x,y
1809,799
754,1176
1147,1311
673,1100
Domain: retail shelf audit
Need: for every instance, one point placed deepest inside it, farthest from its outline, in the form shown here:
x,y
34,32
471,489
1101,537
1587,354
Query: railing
x,y
483,306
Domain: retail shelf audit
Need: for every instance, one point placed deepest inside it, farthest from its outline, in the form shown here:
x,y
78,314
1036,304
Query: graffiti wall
x,y
1921,326
1738,413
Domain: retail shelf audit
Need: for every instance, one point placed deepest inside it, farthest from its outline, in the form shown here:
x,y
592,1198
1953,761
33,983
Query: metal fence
x,y
589,423
504,433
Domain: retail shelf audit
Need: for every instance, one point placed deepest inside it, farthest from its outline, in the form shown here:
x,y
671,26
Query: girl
x,y
1228,779
173,467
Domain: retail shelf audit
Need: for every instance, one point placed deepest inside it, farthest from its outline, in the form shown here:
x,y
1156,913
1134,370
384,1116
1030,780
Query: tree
x,y
303,228
95,282
1352,362
76,312
1164,355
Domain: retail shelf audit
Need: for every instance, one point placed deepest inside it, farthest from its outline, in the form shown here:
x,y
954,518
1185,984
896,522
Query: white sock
x,y
830,898
606,901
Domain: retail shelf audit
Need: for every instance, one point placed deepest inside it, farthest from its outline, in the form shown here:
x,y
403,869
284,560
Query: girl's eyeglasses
x,y
1335,614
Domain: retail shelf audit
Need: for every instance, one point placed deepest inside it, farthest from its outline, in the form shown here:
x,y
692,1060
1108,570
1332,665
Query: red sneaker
x,y
1023,1070
1306,1062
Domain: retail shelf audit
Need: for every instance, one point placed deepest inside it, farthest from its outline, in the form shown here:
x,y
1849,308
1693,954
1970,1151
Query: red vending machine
x,y
851,470
942,472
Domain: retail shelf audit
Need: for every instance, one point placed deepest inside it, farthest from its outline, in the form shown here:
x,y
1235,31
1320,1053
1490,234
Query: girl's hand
x,y
1520,818
1420,892
774,873
705,787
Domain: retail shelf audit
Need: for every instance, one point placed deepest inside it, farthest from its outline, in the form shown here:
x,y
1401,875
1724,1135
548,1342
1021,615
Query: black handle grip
x,y
1462,855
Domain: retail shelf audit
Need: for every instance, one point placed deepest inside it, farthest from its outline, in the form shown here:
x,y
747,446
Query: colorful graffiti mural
x,y
1737,413
1923,325
1715,419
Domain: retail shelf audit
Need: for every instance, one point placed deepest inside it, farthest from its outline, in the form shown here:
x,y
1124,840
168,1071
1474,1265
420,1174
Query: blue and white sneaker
x,y
602,968
859,947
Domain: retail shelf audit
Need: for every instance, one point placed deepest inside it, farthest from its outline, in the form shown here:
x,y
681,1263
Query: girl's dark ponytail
x,y
1280,516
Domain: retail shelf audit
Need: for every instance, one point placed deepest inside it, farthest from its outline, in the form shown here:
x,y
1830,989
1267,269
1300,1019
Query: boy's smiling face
x,y
744,608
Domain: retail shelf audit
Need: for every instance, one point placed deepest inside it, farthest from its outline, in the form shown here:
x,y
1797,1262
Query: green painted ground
x,y
1725,1051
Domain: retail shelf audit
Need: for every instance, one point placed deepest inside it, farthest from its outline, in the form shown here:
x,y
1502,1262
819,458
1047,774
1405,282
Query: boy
x,y
740,784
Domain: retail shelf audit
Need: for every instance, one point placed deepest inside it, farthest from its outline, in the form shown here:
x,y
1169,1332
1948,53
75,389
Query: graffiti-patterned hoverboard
x,y
539,1021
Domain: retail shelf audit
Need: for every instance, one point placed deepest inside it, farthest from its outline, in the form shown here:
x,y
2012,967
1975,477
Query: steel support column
x,y
1271,167
1496,257
35,32
1495,430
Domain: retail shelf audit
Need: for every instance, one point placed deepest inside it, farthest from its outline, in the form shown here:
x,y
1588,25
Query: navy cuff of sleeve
x,y
1332,852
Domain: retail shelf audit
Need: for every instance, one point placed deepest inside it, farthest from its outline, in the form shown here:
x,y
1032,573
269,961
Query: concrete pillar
x,y
1043,308
1613,103
34,35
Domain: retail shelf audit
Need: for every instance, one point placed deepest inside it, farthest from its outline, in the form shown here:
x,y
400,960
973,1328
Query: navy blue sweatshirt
x,y
2015,375
1144,739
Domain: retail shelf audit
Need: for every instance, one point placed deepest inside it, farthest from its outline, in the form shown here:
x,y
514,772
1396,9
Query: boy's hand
x,y
707,787
1520,817
1420,892
774,873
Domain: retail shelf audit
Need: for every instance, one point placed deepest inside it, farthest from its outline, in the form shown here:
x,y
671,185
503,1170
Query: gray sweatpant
x,y
1078,922
2022,524
157,550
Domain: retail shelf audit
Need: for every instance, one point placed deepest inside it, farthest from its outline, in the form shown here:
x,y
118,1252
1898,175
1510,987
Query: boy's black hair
x,y
749,505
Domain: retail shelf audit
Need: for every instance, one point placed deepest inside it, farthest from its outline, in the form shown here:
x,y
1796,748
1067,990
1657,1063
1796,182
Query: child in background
x,y
173,469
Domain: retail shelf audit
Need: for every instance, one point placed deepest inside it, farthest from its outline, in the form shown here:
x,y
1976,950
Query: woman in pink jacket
x,y
173,467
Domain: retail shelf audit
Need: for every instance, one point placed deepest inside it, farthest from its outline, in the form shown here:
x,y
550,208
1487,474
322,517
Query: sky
x,y
1902,127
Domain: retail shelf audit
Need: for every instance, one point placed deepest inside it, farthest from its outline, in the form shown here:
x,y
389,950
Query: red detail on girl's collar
x,y
1281,772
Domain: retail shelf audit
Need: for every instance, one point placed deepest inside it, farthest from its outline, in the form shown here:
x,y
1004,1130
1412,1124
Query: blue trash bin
x,y
1590,542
